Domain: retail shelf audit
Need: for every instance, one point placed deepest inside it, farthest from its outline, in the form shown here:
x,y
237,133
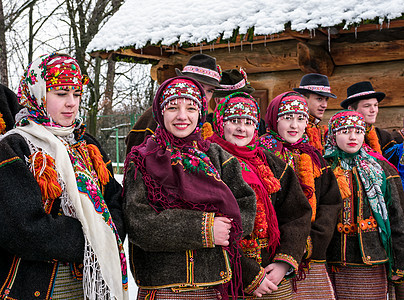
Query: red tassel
x,y
43,169
99,165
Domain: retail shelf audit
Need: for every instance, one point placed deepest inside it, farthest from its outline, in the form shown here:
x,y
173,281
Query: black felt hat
x,y
233,81
360,91
315,83
202,68
9,106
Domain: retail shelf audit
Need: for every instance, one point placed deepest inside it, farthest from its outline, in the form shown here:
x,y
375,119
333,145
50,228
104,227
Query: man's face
x,y
317,105
369,108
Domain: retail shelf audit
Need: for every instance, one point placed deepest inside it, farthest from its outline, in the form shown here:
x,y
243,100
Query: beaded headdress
x,y
181,88
293,104
347,119
236,105
62,72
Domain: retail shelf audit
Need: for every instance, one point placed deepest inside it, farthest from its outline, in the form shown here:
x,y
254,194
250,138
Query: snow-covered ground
x,y
132,284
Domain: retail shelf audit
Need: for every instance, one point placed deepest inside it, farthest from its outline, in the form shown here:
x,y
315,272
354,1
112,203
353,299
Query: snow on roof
x,y
141,22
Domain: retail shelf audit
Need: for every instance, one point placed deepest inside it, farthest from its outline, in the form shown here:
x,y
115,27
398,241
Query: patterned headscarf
x,y
371,173
237,105
342,120
54,71
286,103
68,168
180,88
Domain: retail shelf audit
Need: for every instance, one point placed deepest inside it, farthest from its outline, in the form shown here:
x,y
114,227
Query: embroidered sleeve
x,y
256,282
309,248
280,257
207,229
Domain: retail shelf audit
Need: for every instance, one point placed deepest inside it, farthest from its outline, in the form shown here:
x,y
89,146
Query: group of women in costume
x,y
219,215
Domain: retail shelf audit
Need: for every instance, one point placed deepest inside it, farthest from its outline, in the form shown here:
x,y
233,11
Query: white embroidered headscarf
x,y
105,270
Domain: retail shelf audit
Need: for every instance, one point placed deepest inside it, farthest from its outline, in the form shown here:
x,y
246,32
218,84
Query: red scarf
x,y
259,176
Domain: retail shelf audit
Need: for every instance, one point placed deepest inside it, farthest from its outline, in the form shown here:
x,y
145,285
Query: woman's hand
x,y
395,277
276,272
266,287
221,231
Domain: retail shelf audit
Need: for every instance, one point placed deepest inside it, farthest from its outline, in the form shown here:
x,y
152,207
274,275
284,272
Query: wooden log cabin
x,y
275,60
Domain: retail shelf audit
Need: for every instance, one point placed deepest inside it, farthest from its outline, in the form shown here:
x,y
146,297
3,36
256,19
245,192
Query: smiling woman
x,y
186,203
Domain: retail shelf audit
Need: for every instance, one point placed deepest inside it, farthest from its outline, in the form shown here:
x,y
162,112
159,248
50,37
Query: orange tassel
x,y
306,175
271,182
43,169
207,130
373,140
2,125
99,165
314,137
342,183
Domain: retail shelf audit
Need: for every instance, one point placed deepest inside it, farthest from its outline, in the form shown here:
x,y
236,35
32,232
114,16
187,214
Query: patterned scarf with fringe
x,y
66,167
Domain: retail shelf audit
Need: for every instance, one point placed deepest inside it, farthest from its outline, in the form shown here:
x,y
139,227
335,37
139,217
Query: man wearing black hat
x,y
233,81
8,109
316,89
200,67
362,98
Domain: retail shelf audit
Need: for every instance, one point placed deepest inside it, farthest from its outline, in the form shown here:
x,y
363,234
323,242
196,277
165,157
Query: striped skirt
x,y
66,287
316,285
284,292
360,282
168,294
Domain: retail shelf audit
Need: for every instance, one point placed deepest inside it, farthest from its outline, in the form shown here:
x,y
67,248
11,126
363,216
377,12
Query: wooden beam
x,y
359,53
314,59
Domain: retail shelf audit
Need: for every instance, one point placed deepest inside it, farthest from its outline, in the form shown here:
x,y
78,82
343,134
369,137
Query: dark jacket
x,y
385,140
363,247
294,213
167,247
329,204
145,125
32,243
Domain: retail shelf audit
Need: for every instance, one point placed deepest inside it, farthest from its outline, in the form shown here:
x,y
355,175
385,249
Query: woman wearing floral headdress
x,y
282,221
60,215
286,119
186,204
368,243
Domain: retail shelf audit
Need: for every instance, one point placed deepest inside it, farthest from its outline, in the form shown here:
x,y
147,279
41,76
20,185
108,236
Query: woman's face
x,y
291,127
63,105
239,132
181,117
350,140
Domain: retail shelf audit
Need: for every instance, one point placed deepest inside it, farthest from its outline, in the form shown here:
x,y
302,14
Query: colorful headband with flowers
x,y
293,104
63,72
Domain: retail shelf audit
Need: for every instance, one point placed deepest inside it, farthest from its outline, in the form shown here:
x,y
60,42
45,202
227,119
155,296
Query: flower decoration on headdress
x,y
52,71
343,120
181,88
63,72
219,70
244,75
236,106
293,104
